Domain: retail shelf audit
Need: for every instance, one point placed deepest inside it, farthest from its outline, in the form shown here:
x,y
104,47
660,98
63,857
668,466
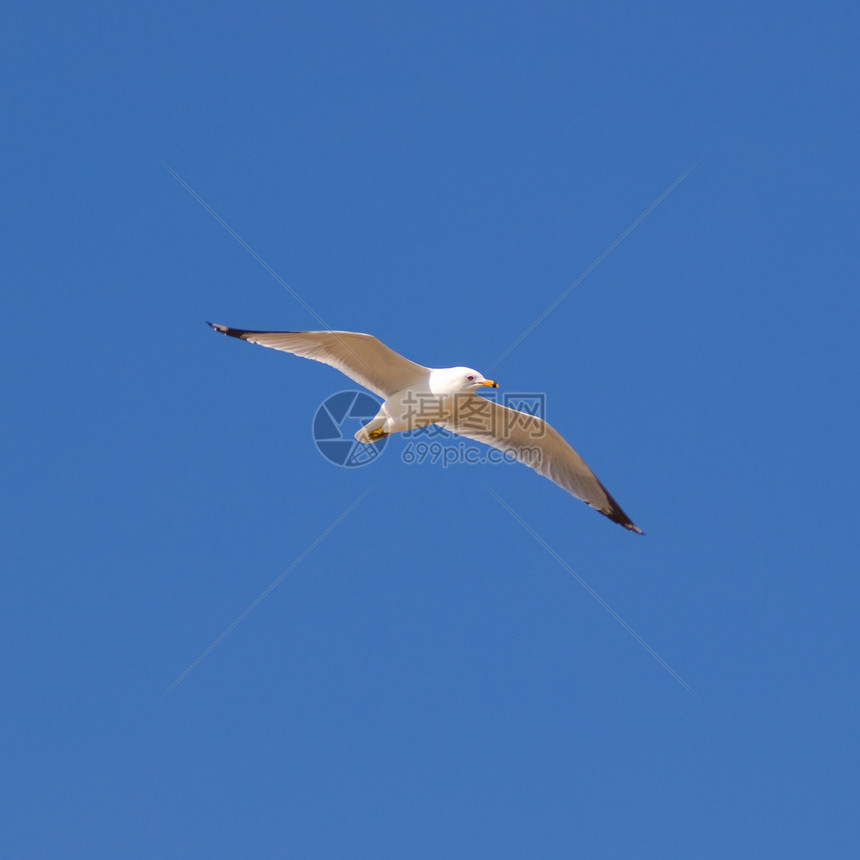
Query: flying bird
x,y
416,396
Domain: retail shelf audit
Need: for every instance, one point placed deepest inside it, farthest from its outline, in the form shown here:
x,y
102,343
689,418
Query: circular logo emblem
x,y
335,423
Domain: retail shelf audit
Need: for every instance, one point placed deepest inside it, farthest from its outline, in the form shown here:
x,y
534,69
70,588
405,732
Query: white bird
x,y
416,396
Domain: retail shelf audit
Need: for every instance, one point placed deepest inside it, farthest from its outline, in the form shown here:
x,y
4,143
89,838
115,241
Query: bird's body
x,y
407,409
436,395
417,396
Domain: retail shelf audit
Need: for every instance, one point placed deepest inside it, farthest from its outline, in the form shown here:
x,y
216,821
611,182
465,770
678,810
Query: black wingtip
x,y
613,512
618,516
232,332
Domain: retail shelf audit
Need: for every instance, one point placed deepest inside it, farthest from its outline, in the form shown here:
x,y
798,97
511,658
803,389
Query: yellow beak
x,y
490,384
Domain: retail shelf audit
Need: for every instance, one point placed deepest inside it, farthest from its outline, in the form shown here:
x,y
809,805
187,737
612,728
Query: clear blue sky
x,y
429,681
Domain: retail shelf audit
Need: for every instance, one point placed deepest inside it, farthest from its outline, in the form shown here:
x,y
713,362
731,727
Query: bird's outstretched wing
x,y
362,357
535,443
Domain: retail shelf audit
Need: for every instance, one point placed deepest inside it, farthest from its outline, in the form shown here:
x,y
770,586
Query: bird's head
x,y
459,380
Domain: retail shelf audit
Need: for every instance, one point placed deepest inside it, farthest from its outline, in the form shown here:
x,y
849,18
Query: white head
x,y
458,380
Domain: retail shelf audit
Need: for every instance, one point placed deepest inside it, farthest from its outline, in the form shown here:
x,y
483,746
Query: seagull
x,y
416,396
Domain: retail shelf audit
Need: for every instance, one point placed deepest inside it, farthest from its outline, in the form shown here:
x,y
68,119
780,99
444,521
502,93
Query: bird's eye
x,y
470,378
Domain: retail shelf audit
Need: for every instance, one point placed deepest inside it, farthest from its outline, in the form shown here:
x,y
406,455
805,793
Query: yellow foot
x,y
376,434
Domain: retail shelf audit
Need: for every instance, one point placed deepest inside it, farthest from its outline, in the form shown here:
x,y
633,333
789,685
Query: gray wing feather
x,y
362,357
532,441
